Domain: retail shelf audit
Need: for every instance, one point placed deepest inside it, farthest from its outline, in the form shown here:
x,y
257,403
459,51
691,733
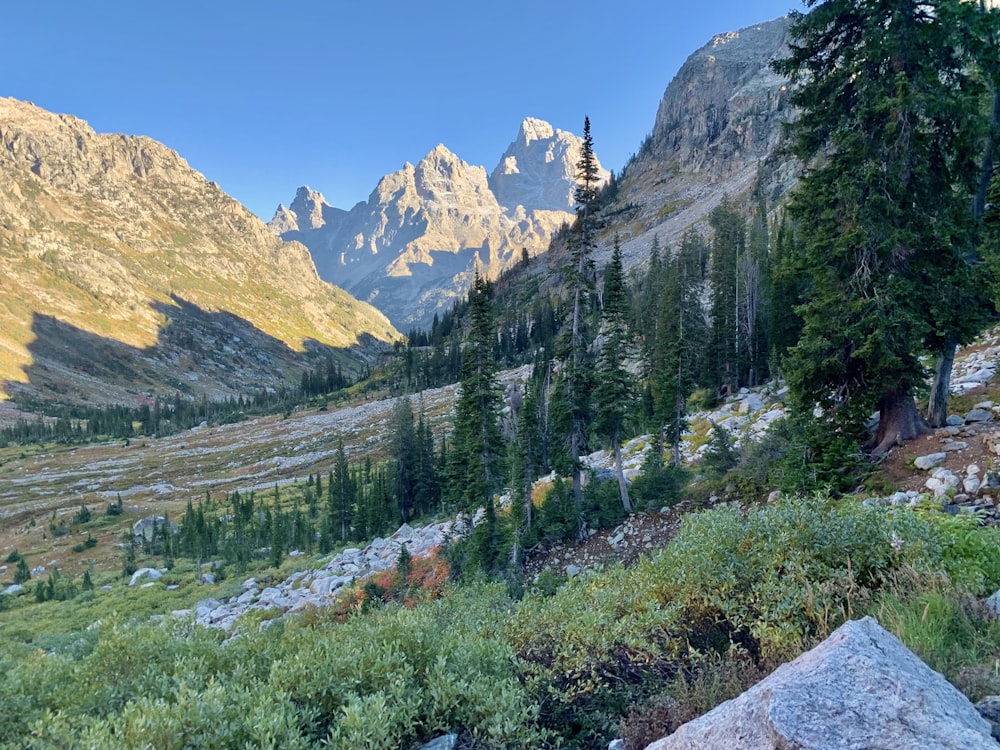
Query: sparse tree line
x,y
75,424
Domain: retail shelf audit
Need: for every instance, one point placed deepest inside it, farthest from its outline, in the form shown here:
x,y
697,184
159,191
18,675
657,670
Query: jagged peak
x,y
534,129
440,153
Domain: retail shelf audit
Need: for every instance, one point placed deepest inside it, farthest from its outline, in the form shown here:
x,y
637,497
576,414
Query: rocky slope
x,y
414,246
717,127
127,273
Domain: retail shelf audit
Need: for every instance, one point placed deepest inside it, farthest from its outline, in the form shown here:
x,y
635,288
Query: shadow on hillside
x,y
197,352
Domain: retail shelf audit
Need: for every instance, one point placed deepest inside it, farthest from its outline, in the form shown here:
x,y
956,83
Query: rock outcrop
x,y
716,130
128,274
413,247
859,689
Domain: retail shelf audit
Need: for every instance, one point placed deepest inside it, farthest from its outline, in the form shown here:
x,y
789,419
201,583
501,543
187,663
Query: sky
x,y
263,97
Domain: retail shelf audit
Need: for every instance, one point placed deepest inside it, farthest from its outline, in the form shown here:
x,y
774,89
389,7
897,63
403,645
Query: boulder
x,y
989,709
144,527
979,415
151,573
861,688
445,742
928,462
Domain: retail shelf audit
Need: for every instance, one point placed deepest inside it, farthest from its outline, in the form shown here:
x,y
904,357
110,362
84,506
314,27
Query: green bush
x,y
778,576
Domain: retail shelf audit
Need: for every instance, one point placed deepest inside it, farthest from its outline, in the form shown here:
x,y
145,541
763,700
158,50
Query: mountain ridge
x,y
109,233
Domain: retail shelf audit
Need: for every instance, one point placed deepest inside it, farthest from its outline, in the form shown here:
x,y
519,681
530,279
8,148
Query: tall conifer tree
x,y
890,131
613,391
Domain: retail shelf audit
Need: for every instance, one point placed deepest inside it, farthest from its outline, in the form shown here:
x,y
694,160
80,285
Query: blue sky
x,y
265,96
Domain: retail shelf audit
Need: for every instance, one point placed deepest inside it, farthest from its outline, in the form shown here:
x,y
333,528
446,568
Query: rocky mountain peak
x,y
284,220
533,129
538,168
724,106
717,130
412,247
309,208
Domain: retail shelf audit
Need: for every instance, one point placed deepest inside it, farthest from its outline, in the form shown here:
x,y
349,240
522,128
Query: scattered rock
x,y
152,573
860,688
928,462
979,415
989,709
446,742
144,527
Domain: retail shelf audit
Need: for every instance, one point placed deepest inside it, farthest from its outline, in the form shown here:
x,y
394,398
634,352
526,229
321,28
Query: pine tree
x,y
476,447
405,451
613,392
728,347
890,131
574,385
678,354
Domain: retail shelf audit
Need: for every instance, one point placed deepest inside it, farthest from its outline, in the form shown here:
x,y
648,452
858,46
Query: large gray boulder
x,y
860,689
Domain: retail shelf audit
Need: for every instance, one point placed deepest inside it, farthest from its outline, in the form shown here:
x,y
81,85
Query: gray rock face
x,y
861,689
725,104
537,170
716,129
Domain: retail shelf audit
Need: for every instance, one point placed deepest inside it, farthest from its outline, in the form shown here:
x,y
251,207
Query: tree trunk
x,y
937,405
899,421
622,486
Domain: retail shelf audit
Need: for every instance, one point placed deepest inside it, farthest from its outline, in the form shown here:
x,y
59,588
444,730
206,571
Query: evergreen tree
x,y
21,572
341,492
727,347
890,131
405,452
476,447
574,385
678,357
613,392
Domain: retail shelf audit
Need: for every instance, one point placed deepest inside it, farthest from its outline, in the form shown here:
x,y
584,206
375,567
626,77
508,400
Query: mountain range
x,y
129,275
414,246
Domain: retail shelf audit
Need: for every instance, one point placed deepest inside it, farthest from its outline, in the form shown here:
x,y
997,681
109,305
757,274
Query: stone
x,y
899,498
143,528
979,415
151,573
928,462
993,604
572,571
953,420
617,745
445,742
861,688
989,709
955,445
941,482
751,403
971,484
14,588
